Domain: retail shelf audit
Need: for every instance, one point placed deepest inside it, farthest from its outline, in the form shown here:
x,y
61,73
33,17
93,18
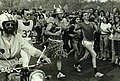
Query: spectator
x,y
104,40
116,38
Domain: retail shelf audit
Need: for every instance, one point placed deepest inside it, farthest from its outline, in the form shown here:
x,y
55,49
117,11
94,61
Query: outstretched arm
x,y
32,51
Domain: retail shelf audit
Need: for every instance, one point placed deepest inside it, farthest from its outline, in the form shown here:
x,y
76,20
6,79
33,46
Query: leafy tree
x,y
48,4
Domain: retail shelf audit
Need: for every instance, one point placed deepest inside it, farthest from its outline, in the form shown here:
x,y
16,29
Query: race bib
x,y
26,33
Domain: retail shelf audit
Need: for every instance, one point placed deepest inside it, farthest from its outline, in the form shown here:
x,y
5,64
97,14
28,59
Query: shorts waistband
x,y
104,34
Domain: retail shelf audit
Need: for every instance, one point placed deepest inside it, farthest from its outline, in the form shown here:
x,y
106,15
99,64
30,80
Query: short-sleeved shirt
x,y
88,31
117,34
104,27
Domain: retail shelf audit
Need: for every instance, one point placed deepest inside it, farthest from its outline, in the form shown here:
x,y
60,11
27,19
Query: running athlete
x,y
25,26
55,42
88,30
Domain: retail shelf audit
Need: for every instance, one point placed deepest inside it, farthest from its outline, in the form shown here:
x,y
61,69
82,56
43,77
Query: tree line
x,y
72,5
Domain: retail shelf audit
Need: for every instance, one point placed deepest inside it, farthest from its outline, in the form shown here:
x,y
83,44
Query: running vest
x,y
88,31
25,30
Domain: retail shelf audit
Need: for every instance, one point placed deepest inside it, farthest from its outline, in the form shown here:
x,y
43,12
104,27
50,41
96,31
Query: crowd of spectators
x,y
106,37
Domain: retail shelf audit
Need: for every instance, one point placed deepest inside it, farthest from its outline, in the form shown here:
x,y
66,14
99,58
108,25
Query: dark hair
x,y
34,9
107,20
108,15
82,15
115,18
41,15
98,13
116,11
73,20
43,11
103,12
23,10
92,10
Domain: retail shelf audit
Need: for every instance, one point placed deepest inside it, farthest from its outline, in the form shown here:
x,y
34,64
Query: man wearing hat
x,y
55,42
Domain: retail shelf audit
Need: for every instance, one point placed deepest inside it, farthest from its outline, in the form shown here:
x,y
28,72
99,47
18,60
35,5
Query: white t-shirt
x,y
104,28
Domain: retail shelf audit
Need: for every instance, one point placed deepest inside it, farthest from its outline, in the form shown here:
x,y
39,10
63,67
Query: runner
x,y
88,29
55,42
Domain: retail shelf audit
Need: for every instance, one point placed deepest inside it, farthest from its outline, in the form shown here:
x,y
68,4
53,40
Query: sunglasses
x,y
27,14
9,24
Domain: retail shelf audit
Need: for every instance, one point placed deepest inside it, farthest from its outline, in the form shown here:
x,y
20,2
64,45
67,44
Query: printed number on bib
x,y
27,33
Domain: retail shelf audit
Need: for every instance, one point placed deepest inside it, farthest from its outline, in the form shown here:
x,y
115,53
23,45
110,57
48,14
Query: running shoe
x,y
60,75
99,75
104,59
78,68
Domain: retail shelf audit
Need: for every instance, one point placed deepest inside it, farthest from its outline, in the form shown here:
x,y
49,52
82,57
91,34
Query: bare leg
x,y
59,65
93,54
